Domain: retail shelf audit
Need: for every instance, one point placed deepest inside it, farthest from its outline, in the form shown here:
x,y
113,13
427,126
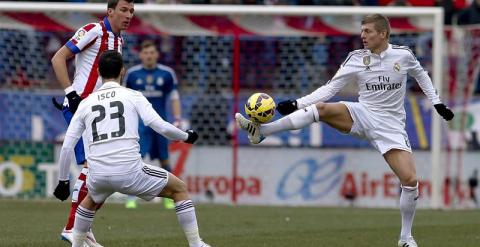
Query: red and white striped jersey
x,y
87,44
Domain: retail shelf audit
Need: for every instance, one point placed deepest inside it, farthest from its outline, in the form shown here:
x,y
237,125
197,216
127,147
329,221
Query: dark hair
x,y
112,4
147,43
381,23
110,64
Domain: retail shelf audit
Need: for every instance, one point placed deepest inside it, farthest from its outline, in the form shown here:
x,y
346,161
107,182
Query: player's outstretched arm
x,y
344,75
171,132
74,131
444,111
415,69
321,94
62,191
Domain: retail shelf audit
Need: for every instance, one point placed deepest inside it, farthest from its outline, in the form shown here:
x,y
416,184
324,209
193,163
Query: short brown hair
x,y
381,22
147,43
112,4
110,64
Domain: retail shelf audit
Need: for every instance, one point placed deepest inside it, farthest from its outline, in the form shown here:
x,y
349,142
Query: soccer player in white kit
x,y
109,117
380,70
86,45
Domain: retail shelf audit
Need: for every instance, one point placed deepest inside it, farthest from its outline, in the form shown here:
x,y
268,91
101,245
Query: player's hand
x,y
73,101
286,107
444,111
192,136
62,191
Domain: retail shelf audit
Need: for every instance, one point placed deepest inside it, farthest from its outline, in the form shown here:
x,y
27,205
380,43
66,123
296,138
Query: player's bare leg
x,y
80,192
167,202
176,189
335,115
402,164
83,221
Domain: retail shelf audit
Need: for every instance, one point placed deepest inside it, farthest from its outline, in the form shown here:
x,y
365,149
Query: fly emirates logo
x,y
383,84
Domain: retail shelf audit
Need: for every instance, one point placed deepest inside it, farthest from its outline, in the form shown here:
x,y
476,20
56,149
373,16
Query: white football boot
x,y
90,241
409,242
252,128
205,245
67,235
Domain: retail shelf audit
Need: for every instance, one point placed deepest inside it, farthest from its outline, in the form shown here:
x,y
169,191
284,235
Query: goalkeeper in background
x,y
86,45
380,70
158,83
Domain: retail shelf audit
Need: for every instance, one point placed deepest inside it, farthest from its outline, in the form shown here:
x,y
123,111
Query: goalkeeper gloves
x,y
444,111
287,107
73,101
192,136
62,191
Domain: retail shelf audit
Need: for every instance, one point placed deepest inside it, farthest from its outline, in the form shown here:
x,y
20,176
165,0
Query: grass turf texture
x,y
38,223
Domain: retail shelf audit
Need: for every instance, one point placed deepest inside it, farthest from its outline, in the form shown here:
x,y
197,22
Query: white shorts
x,y
145,183
383,134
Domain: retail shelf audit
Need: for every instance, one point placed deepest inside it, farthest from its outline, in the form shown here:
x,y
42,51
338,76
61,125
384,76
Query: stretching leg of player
x,y
176,190
163,155
402,164
83,222
338,116
165,163
333,114
79,191
157,146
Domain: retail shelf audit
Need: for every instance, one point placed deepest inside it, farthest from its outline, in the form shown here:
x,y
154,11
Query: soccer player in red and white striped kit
x,y
86,45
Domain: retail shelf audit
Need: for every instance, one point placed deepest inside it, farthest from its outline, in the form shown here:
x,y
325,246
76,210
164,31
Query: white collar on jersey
x,y
383,53
110,84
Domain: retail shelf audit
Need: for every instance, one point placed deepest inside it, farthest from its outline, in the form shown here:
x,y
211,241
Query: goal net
x,y
221,55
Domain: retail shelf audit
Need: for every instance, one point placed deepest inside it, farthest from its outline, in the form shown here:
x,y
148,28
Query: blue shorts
x,y
79,151
152,143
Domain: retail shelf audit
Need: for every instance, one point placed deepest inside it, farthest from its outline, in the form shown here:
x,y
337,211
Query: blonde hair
x,y
382,24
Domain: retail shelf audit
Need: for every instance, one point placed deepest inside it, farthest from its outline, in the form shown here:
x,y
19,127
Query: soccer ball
x,y
260,107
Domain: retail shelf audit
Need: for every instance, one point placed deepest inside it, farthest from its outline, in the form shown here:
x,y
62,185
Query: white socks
x,y
293,121
83,222
408,202
188,220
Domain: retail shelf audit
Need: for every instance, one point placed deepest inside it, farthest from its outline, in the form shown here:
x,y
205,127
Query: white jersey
x,y
87,44
109,117
381,80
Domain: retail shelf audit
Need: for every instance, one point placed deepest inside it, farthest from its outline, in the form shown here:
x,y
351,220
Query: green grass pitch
x,y
38,223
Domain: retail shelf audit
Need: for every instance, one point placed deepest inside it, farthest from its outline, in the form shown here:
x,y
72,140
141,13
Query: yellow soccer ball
x,y
260,107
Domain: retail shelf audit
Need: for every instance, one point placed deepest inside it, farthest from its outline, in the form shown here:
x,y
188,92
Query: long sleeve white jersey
x,y
381,80
109,117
